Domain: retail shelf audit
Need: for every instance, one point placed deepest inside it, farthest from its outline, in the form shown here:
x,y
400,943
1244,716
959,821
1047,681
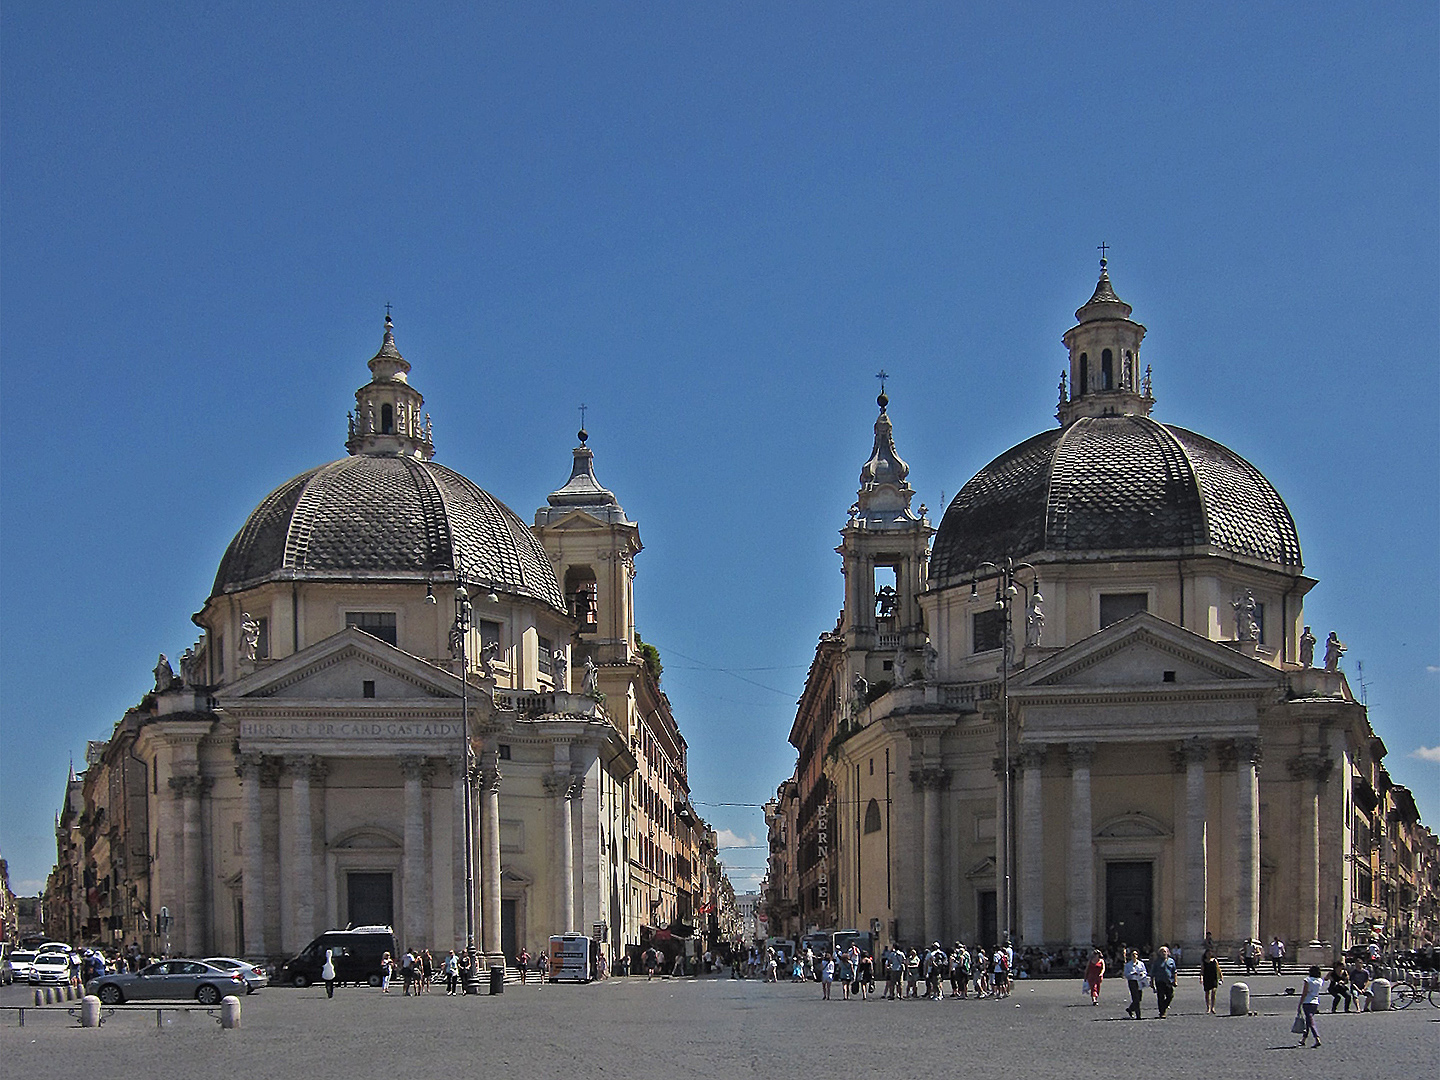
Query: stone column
x,y
1032,847
930,781
576,797
1081,868
557,786
1247,839
1309,772
1194,754
192,930
490,787
414,886
253,877
302,874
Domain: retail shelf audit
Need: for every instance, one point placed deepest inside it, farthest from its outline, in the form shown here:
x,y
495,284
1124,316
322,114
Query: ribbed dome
x,y
385,518
1122,485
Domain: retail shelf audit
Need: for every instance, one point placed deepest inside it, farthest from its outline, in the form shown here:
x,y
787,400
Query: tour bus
x,y
356,953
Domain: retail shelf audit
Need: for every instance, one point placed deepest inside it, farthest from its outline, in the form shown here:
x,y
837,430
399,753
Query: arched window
x,y
1083,382
1107,370
872,817
387,419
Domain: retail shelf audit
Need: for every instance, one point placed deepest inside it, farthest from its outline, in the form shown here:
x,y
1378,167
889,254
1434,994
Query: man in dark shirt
x,y
1163,976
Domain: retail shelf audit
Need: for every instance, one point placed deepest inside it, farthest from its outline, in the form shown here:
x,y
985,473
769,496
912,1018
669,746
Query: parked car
x,y
50,968
254,977
17,966
169,979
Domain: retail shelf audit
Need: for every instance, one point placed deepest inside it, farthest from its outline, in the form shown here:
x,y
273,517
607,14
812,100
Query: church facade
x,y
1090,712
381,635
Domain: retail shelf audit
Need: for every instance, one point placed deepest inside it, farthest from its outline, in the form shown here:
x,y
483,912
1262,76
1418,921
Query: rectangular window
x,y
380,624
504,751
367,688
987,630
262,650
489,633
547,646
1117,606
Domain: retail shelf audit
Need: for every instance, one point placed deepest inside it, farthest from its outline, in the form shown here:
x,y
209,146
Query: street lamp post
x,y
459,644
1007,587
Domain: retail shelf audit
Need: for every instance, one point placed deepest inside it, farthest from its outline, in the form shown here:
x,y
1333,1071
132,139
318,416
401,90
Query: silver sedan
x,y
169,980
254,977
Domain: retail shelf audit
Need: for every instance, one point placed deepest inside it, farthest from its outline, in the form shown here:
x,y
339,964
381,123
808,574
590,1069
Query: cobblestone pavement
x,y
682,1029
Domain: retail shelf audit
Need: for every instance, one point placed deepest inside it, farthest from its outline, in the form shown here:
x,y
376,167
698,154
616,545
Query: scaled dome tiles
x,y
1115,484
377,518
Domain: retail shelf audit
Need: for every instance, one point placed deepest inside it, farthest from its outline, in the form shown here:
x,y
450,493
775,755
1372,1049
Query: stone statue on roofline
x,y
249,638
1034,620
1334,649
590,684
164,675
190,669
932,662
1307,648
1245,625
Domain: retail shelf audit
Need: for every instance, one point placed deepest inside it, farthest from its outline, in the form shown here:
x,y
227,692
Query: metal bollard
x,y
1381,1000
49,996
90,1011
39,996
230,1012
1239,999
69,992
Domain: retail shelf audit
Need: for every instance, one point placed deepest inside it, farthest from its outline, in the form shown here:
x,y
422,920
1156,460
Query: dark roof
x,y
1123,484
385,518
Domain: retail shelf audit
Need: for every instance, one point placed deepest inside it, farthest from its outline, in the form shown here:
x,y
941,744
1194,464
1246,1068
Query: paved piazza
x,y
721,1028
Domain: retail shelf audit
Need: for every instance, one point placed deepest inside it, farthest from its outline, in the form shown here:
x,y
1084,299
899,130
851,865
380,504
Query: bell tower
x,y
593,546
885,548
1105,377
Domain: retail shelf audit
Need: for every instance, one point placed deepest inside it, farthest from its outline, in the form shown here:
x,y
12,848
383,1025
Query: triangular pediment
x,y
1143,651
339,668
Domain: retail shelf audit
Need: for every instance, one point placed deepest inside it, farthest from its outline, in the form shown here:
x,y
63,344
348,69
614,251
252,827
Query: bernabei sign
x,y
350,729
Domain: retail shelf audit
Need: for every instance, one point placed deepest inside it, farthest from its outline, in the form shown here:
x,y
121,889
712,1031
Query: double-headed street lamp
x,y
459,647
1007,587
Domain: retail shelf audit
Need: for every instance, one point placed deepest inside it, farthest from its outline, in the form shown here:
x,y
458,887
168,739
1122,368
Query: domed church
x,y
379,628
1090,713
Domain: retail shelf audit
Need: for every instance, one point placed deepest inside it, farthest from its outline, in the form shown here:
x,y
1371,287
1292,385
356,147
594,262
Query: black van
x,y
356,953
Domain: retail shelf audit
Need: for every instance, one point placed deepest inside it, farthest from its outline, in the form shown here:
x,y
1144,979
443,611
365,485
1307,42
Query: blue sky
x,y
713,227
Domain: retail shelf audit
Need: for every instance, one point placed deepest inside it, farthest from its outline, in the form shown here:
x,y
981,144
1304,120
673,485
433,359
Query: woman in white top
x,y
1310,1004
1135,976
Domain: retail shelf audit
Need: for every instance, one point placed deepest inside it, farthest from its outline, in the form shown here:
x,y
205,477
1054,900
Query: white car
x,y
17,966
50,968
253,976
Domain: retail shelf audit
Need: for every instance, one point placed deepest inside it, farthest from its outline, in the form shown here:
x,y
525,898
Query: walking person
x,y
387,971
1310,1004
1164,979
866,972
327,973
452,973
1095,975
1135,977
827,976
1209,979
1277,953
523,960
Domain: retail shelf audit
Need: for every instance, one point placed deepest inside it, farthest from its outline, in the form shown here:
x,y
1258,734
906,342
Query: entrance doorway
x,y
987,921
370,898
509,944
1129,905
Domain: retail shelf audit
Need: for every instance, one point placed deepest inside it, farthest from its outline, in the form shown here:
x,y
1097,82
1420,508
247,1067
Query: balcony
x,y
531,703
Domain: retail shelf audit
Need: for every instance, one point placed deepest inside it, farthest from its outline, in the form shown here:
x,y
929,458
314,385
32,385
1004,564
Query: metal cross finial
x,y
583,407
882,376
1103,248
387,309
